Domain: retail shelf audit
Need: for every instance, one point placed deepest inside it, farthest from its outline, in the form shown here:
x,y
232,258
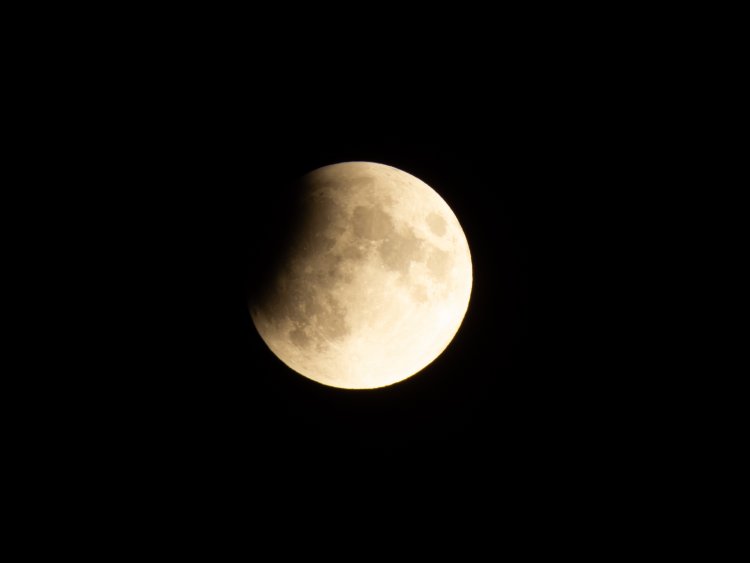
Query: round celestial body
x,y
373,283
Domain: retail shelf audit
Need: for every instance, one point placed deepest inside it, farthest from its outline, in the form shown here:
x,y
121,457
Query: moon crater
x,y
436,223
398,251
371,223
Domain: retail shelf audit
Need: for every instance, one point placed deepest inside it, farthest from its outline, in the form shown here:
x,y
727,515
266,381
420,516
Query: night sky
x,y
180,169
208,387
528,401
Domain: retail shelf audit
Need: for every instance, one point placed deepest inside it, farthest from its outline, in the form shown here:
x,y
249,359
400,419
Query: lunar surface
x,y
374,283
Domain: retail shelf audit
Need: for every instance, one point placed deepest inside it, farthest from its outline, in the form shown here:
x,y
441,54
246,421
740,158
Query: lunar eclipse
x,y
373,281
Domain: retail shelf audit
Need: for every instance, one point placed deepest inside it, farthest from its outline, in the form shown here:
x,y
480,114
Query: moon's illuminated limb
x,y
376,283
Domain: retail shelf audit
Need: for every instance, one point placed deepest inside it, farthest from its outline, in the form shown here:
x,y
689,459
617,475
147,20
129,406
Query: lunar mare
x,y
375,282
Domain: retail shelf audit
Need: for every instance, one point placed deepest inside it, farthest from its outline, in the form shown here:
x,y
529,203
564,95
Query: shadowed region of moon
x,y
371,282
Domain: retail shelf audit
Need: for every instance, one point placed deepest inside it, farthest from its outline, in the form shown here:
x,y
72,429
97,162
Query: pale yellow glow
x,y
378,286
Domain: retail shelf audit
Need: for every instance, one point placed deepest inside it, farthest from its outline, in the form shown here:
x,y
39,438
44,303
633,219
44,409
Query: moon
x,y
372,285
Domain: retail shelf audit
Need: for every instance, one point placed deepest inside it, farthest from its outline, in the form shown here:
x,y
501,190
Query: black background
x,y
176,163
197,192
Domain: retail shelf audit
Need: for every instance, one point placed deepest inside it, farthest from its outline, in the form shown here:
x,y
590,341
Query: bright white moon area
x,y
374,283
